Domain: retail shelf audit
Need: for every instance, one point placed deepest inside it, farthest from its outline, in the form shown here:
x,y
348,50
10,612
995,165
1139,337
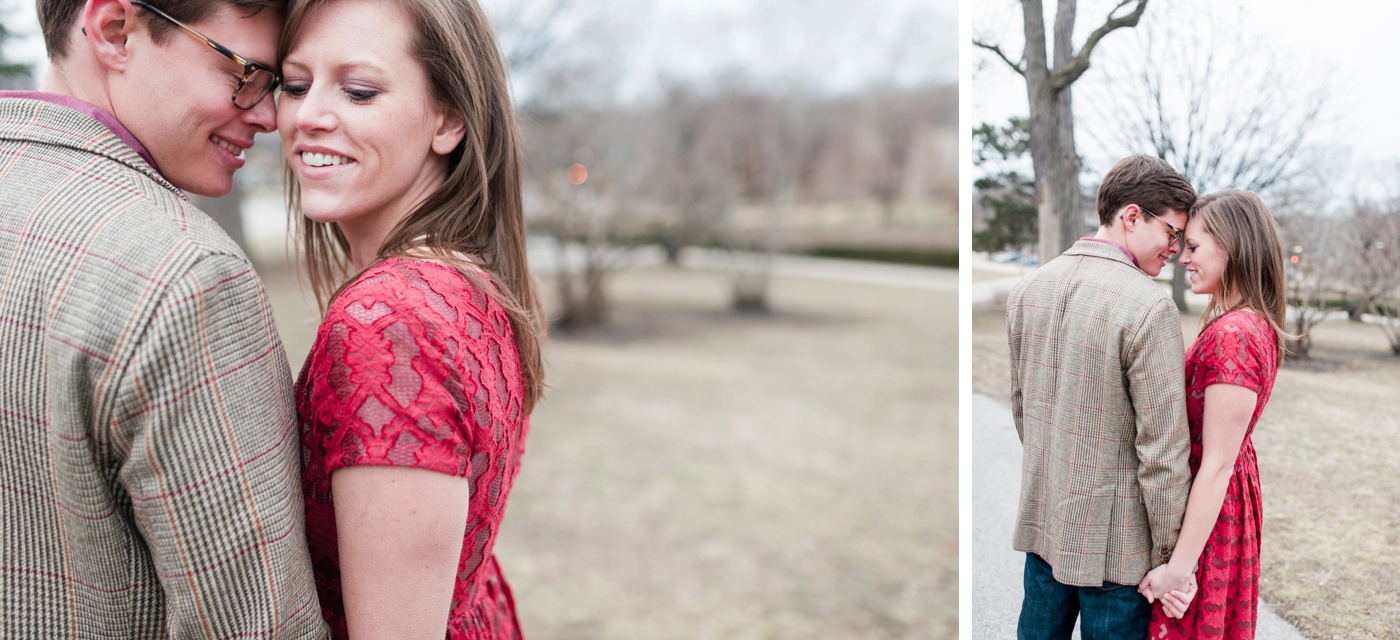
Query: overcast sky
x,y
828,45
1351,43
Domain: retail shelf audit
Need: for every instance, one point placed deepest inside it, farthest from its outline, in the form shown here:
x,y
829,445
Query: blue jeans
x,y
1110,612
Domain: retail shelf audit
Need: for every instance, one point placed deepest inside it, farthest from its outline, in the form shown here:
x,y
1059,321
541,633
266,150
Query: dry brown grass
x,y
1328,459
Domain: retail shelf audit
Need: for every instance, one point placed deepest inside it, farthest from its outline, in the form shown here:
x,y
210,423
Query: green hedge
x,y
924,257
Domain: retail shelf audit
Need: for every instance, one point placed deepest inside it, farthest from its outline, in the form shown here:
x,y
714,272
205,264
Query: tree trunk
x,y
1052,131
1051,120
1178,283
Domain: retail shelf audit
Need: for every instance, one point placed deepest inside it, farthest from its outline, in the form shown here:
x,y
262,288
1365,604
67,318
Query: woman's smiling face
x,y
360,127
1203,258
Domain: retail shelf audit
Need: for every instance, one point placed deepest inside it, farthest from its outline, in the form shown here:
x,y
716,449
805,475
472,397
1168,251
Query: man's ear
x,y
1130,215
107,24
450,131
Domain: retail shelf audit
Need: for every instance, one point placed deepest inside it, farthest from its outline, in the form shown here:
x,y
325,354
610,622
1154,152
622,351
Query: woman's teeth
x,y
322,159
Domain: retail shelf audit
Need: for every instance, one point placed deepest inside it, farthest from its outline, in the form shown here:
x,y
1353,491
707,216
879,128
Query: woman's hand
x,y
1175,591
1175,603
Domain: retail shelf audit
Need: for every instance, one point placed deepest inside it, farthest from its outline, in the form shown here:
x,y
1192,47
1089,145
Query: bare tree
x,y
1225,110
690,176
1053,153
586,196
1375,268
1316,249
765,139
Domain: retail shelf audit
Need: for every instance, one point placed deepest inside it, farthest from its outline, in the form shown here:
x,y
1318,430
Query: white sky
x,y
1351,42
831,45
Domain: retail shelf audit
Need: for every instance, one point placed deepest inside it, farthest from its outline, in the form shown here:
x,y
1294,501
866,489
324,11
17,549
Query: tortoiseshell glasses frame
x,y
259,80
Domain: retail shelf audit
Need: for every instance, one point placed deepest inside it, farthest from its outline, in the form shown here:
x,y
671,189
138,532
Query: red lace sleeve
x,y
1239,347
391,394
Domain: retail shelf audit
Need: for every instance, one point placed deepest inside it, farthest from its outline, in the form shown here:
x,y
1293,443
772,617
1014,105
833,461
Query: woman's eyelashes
x,y
298,88
294,90
360,96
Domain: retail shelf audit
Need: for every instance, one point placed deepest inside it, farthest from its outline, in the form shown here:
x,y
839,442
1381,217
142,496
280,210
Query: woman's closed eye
x,y
360,96
294,89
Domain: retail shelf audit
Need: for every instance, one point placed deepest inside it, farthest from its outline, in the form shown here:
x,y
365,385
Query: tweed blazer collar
x,y
1092,249
48,123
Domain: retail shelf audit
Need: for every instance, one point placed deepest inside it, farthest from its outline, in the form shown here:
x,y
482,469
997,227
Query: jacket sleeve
x,y
1013,342
212,460
1157,386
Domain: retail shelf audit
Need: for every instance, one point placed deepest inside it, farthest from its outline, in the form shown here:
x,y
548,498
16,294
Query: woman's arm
x,y
400,533
1225,419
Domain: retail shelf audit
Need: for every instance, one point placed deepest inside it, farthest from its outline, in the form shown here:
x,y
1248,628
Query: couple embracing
x,y
1140,509
162,475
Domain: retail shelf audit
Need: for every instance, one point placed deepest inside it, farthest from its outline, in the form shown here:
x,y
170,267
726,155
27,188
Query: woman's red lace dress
x,y
1238,348
415,367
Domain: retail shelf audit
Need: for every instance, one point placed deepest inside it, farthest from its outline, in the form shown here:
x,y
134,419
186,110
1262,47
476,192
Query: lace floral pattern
x,y
414,366
1238,348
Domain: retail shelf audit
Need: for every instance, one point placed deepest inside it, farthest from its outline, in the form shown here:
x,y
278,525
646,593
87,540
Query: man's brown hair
x,y
56,17
1147,182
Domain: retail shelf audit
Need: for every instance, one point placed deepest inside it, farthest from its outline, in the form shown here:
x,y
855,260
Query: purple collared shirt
x,y
1120,248
95,112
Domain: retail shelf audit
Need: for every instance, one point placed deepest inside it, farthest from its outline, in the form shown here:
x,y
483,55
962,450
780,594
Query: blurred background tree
x,y
1225,108
1007,194
13,75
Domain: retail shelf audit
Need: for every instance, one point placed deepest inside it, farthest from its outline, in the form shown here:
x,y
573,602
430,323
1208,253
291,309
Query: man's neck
x,y
56,80
1114,234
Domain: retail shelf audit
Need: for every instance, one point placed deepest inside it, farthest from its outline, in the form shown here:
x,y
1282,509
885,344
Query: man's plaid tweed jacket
x,y
1098,395
149,479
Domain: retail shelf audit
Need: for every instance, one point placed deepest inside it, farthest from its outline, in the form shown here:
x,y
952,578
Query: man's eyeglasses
x,y
1173,234
258,80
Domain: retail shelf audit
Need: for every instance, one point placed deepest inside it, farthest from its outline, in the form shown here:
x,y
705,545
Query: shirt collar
x,y
1120,248
93,111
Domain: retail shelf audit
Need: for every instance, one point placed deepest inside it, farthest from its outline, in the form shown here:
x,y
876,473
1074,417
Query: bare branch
x,y
997,50
1066,75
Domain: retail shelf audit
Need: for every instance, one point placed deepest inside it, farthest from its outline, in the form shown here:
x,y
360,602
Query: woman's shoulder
x,y
417,289
1245,321
1235,329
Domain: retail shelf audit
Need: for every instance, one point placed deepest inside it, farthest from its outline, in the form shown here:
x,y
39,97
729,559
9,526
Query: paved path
x,y
996,567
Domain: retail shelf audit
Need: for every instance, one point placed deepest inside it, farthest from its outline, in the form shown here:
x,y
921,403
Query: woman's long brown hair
x,y
475,219
1253,278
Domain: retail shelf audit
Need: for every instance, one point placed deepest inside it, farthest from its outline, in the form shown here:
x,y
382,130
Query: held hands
x,y
1175,588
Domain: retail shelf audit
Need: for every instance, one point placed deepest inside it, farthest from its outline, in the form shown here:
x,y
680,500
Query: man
x,y
149,466
1099,402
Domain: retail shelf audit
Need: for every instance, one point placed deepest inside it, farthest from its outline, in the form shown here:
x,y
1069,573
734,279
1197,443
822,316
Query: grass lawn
x,y
1330,469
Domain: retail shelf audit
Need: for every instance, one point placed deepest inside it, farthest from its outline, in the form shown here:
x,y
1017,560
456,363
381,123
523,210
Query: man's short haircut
x,y
56,17
1147,182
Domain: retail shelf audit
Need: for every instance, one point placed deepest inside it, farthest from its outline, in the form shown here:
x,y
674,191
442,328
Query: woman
x,y
404,169
1232,252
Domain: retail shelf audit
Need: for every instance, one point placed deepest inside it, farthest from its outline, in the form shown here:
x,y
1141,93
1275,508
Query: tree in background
x,y
1316,250
1223,108
1374,267
13,75
1051,123
1006,192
